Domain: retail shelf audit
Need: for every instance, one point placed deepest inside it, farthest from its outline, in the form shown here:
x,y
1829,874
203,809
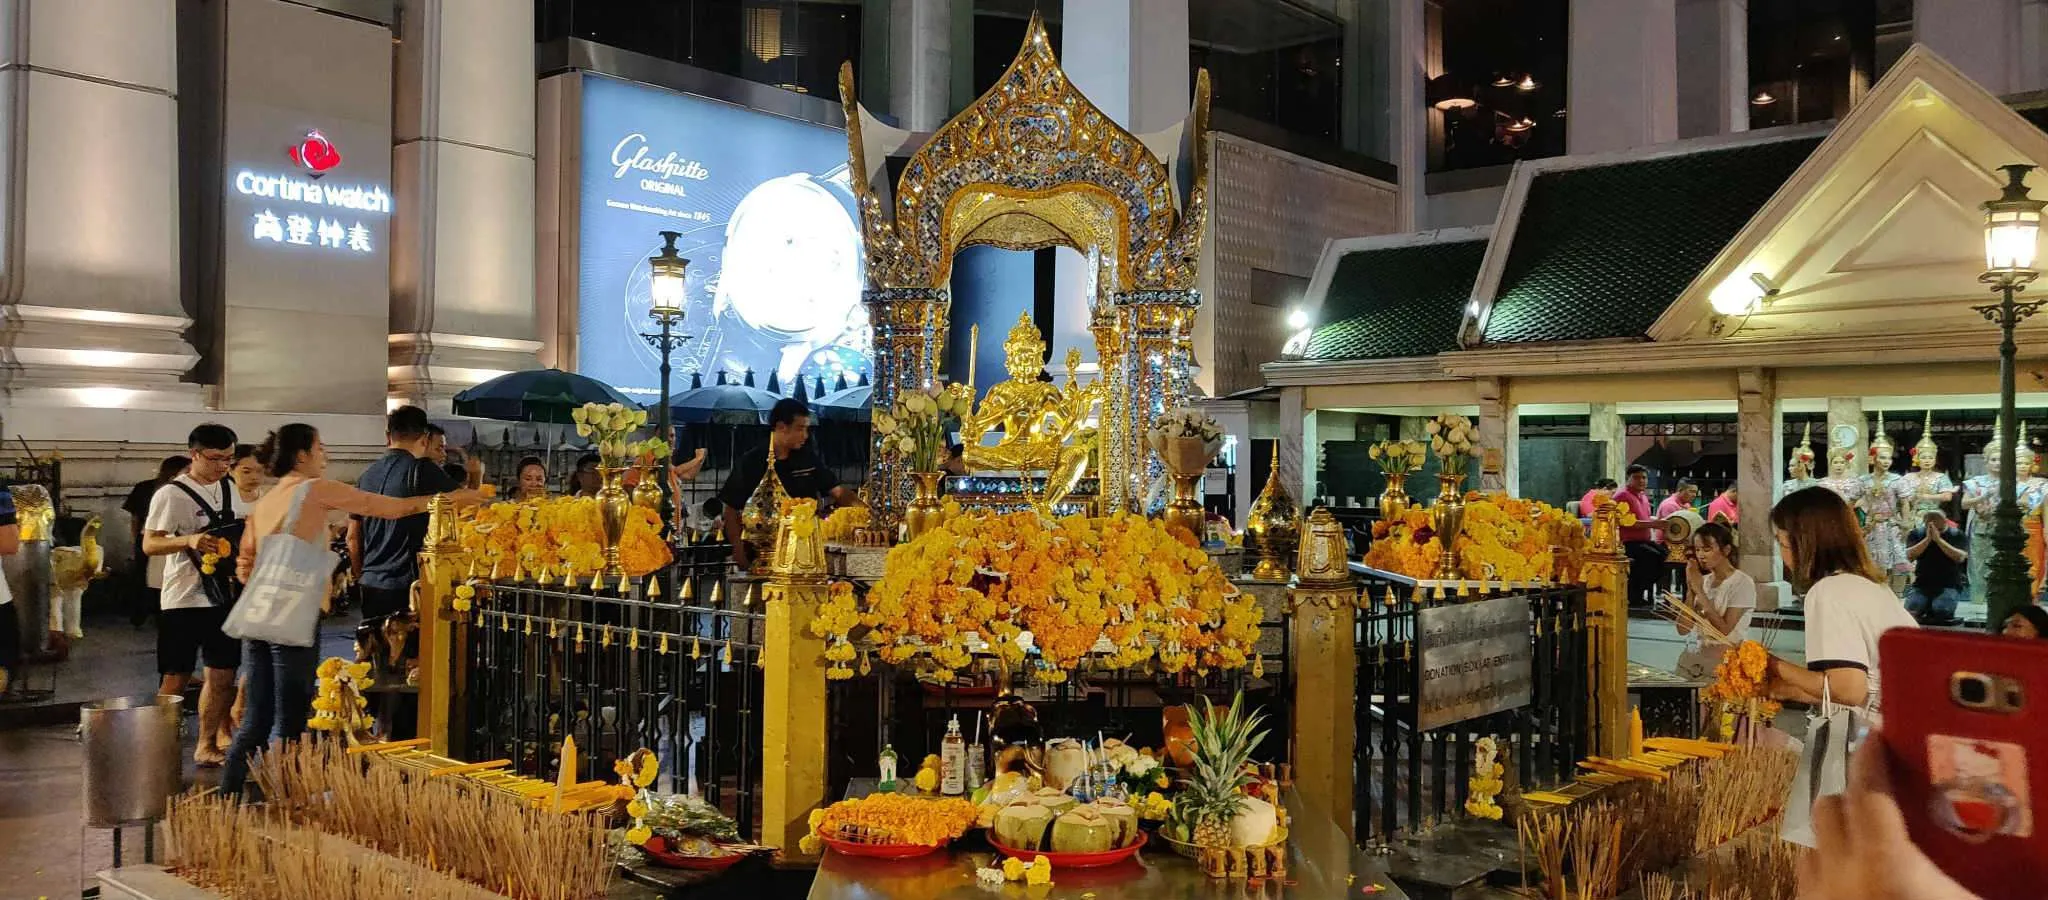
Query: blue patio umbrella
x,y
536,395
850,405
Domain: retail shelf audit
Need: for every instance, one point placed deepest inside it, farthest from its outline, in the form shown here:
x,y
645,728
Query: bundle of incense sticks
x,y
1758,867
1581,852
1741,791
1701,625
255,854
481,836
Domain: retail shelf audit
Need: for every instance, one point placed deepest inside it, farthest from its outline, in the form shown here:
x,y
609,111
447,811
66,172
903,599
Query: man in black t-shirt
x,y
385,552
143,592
1940,553
803,474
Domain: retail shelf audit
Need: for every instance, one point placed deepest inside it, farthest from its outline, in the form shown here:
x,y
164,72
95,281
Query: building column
x,y
1500,431
1845,411
920,63
462,281
1297,444
1759,444
91,278
1407,75
1604,426
1713,67
1623,75
1982,38
1130,58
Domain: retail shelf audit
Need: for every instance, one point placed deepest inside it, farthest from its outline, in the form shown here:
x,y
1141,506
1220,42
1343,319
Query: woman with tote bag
x,y
1849,603
285,563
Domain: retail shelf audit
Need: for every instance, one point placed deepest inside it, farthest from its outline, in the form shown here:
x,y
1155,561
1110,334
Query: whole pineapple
x,y
1223,742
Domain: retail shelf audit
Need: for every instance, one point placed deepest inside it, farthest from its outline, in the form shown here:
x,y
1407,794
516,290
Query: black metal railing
x,y
617,673
1409,778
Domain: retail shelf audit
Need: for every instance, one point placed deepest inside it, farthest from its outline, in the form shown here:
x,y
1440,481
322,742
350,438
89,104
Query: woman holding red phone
x,y
1848,601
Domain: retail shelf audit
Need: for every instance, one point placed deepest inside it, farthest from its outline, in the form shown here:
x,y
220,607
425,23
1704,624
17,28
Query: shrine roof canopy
x,y
1386,302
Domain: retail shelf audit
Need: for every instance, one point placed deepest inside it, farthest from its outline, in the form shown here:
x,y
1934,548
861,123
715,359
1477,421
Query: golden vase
x,y
923,513
1394,500
1447,517
613,506
1186,459
647,494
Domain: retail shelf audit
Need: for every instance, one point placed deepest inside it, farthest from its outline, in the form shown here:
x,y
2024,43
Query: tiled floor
x,y
42,835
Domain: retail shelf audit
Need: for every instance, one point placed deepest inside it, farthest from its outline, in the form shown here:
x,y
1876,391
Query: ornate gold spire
x,y
1879,438
1925,451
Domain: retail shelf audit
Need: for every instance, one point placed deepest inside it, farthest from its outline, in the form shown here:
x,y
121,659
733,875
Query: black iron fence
x,y
673,672
1408,777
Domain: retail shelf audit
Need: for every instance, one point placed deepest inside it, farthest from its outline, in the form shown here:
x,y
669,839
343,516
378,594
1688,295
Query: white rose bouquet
x,y
1185,422
609,426
914,430
1454,440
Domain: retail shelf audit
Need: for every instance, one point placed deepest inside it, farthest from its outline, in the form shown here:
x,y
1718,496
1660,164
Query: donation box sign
x,y
1477,658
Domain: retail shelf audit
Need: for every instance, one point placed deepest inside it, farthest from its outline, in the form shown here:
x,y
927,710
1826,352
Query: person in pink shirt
x,y
1645,552
1592,497
1723,508
1683,498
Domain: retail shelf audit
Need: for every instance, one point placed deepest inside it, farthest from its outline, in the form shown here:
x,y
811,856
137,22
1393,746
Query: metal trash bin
x,y
134,760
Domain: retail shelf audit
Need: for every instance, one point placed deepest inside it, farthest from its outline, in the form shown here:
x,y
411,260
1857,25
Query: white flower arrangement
x,y
914,430
608,425
1185,422
1454,440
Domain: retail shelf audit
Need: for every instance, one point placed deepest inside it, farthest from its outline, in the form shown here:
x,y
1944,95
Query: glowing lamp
x,y
666,279
2012,228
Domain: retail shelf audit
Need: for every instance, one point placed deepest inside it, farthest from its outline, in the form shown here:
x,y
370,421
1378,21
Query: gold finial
x,y
1324,558
1879,438
1926,451
653,586
1272,525
763,510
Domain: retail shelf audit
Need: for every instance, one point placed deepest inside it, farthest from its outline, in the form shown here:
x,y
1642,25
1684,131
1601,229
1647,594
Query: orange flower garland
x,y
557,532
895,819
1745,674
1504,539
1072,583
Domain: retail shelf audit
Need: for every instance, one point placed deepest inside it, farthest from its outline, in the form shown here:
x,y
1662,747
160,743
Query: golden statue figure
x,y
1043,426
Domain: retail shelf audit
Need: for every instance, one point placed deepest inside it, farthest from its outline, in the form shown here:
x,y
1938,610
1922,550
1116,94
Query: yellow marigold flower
x,y
927,780
638,835
329,667
636,809
1040,872
1013,868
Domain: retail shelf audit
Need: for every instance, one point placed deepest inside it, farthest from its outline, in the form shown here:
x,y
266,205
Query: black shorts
x,y
185,637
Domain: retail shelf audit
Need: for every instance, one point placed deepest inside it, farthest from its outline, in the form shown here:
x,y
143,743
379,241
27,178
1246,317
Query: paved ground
x,y
48,850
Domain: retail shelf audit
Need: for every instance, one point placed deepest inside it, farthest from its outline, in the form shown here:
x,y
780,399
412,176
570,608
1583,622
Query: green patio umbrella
x,y
536,395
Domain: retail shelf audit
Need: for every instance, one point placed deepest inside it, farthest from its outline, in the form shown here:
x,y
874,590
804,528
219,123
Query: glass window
x,y
1809,60
1273,61
793,45
1498,82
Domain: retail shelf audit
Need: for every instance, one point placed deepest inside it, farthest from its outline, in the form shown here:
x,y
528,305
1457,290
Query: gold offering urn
x,y
1272,526
1325,553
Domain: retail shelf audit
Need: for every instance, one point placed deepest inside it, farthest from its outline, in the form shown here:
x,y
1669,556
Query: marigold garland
x,y
556,532
1504,539
1071,582
894,819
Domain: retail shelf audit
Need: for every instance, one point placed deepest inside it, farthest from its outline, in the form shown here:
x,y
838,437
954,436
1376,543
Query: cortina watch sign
x,y
312,158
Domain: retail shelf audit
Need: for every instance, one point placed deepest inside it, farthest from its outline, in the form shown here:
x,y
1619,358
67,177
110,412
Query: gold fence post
x,y
793,688
443,672
1605,575
1323,639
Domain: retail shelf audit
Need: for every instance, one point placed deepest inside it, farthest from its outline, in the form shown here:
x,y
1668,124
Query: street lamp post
x,y
2012,226
665,281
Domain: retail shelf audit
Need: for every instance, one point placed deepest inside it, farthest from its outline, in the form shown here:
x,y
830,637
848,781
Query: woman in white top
x,y
1849,602
281,677
1723,594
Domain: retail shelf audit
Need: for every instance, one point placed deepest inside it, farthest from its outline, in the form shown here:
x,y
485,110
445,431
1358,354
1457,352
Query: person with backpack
x,y
192,519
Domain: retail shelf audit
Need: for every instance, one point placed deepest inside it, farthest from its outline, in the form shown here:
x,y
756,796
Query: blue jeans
x,y
278,700
1939,610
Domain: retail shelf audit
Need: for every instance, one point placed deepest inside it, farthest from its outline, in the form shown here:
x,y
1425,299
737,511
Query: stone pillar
x,y
1322,636
1297,444
1846,411
920,63
1130,57
1759,445
1982,38
1713,67
462,285
1500,431
91,275
1604,426
1407,77
1623,75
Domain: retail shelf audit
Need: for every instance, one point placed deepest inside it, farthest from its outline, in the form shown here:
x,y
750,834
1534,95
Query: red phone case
x,y
1973,783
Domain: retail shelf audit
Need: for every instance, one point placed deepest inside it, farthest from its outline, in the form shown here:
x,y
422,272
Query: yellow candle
x,y
973,352
1635,731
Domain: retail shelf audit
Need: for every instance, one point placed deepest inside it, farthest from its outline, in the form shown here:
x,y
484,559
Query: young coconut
x,y
1125,818
1084,830
1023,825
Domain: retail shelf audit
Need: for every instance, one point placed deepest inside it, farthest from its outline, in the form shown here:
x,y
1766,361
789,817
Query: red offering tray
x,y
880,851
669,860
1075,860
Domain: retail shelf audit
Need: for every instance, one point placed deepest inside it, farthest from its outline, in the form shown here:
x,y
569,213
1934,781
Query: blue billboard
x,y
768,221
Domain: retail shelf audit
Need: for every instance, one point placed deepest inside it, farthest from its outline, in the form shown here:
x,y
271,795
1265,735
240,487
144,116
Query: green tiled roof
x,y
1601,252
1395,302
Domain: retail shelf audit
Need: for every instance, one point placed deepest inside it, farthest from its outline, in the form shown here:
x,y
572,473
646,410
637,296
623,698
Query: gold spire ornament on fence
x,y
763,510
1273,526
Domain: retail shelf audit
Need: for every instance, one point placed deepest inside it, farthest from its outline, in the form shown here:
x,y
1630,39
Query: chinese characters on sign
x,y
1477,658
304,231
